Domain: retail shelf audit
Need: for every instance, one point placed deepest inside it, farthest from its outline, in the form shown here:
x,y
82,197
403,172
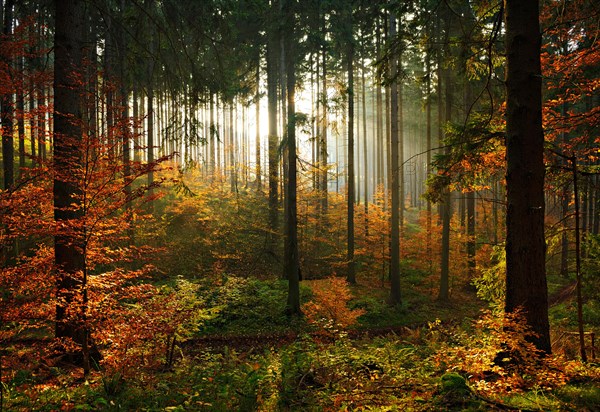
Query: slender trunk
x,y
136,130
150,126
395,296
291,231
125,130
323,163
401,188
316,129
365,152
211,143
232,155
578,262
379,99
8,150
31,90
429,148
273,140
446,207
21,117
258,164
351,275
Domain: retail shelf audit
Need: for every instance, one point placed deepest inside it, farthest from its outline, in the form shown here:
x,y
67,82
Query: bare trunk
x,y
526,286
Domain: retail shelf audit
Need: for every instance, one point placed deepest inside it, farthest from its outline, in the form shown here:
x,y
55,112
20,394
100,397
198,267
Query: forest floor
x,y
423,356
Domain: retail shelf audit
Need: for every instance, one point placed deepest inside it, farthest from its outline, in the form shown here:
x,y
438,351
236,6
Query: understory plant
x,y
496,356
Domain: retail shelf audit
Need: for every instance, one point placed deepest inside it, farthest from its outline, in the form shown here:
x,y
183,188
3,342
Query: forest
x,y
281,205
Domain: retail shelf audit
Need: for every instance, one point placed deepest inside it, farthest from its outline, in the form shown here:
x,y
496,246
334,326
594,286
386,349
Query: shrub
x,y
329,306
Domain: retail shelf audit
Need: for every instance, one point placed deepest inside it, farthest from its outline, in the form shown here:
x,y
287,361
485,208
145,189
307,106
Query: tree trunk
x,y
125,129
365,151
395,296
21,117
150,123
69,243
324,125
351,275
258,160
526,286
429,73
8,149
292,265
273,140
379,180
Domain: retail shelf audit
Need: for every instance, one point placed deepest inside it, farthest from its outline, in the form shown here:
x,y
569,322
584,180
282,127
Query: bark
x,y
8,150
446,205
443,206
323,146
150,124
526,286
31,90
351,275
273,139
125,129
258,160
564,236
395,295
21,118
365,151
429,146
292,265
69,241
471,244
379,103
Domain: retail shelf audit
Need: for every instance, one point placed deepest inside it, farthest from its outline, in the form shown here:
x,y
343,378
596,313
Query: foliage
x,y
491,281
246,305
474,156
497,356
148,324
329,305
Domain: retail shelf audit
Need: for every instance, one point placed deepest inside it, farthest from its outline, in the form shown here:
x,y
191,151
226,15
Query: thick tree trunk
x,y
526,286
69,240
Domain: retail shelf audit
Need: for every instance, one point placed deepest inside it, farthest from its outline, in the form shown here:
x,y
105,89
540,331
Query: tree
x,y
526,286
273,141
8,149
292,264
351,275
70,234
395,296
